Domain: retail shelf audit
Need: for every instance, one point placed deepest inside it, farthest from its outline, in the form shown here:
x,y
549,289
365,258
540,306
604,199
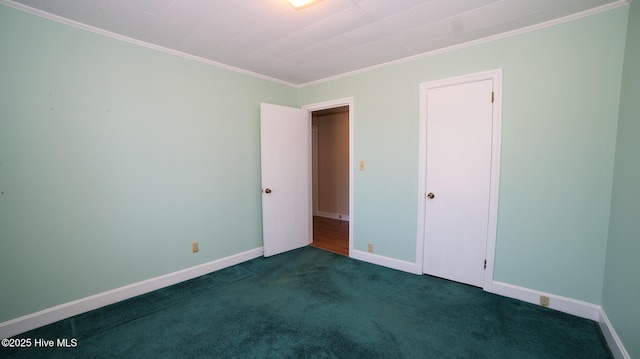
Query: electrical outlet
x,y
194,247
544,301
370,248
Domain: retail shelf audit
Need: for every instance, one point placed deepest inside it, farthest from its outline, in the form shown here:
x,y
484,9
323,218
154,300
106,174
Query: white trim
x,y
562,304
496,139
496,77
385,261
570,306
314,167
113,35
341,217
483,40
515,32
66,310
348,101
615,344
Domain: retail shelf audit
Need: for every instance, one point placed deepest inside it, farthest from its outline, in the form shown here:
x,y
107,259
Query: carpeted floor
x,y
309,303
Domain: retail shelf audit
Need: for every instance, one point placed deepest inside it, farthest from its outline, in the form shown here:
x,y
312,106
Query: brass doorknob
x,y
267,191
431,195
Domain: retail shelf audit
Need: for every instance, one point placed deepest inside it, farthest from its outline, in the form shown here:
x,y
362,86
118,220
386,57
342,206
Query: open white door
x,y
285,149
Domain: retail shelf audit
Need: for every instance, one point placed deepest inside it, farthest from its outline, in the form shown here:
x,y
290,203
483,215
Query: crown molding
x,y
79,25
82,26
568,18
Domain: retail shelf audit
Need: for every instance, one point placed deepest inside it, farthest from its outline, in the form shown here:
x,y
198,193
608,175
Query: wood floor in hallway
x,y
331,235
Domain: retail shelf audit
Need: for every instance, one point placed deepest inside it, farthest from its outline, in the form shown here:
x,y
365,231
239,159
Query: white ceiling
x,y
334,37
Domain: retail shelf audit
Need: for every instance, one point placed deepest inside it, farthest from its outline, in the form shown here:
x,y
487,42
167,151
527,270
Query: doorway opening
x,y
330,179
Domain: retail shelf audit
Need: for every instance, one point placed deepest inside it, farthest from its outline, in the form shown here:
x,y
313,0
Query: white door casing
x,y
459,164
332,104
285,142
314,168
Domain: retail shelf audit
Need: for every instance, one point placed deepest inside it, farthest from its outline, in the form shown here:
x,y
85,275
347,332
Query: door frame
x,y
314,169
496,76
348,101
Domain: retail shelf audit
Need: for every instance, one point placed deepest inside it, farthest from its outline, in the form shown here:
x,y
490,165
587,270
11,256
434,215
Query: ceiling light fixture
x,y
302,4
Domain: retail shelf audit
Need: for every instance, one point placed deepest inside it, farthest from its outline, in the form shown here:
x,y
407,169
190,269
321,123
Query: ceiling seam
x,y
113,35
564,19
107,33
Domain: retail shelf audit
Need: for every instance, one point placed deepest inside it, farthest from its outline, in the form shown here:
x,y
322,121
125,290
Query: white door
x,y
285,145
458,180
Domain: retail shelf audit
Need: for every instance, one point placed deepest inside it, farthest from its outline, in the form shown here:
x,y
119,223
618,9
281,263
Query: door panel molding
x,y
496,77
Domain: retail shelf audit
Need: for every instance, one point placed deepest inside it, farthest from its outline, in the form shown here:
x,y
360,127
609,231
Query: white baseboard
x,y
615,344
563,304
342,217
385,261
66,310
570,306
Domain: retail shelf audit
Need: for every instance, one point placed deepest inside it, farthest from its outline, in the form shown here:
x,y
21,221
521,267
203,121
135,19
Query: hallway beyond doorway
x,y
331,235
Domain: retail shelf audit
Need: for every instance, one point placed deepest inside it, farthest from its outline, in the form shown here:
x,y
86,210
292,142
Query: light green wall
x,y
621,293
114,158
560,103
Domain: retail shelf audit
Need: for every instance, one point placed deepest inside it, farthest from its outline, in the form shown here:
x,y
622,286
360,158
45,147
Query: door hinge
x,y
492,97
485,264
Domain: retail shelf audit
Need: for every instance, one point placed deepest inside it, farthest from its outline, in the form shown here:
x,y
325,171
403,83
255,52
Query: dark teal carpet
x,y
314,304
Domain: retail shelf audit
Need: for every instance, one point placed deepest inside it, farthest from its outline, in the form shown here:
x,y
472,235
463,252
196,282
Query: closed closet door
x,y
458,180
